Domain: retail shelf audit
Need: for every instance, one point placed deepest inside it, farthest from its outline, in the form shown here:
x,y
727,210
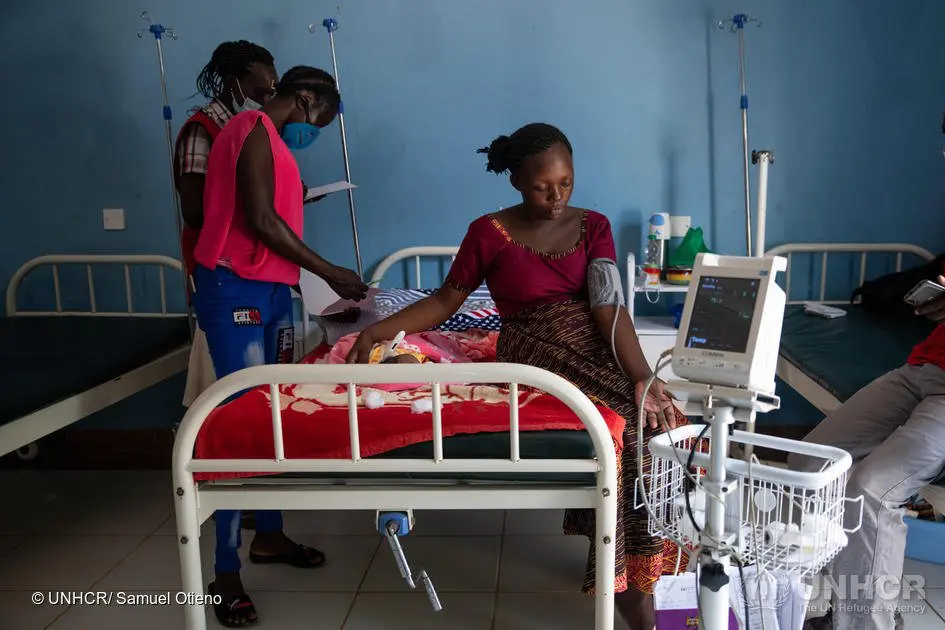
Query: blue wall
x,y
847,93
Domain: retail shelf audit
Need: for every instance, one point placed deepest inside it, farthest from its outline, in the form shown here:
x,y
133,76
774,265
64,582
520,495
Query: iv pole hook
x,y
331,25
737,25
159,31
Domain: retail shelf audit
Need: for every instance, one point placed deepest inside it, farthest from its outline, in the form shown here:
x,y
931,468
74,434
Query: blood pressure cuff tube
x,y
603,283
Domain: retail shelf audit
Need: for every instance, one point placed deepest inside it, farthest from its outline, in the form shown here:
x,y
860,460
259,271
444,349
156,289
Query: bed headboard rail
x,y
164,263
416,253
824,250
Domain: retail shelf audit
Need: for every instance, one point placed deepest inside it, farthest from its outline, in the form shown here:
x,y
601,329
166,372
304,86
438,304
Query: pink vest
x,y
225,239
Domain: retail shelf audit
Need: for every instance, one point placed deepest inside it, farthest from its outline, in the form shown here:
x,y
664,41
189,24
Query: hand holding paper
x,y
321,300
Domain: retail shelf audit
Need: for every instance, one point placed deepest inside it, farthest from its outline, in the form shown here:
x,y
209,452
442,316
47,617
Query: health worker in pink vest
x,y
249,253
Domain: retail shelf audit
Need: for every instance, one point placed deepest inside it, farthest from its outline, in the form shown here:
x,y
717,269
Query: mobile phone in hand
x,y
923,293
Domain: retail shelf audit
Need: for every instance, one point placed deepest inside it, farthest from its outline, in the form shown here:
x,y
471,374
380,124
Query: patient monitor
x,y
731,324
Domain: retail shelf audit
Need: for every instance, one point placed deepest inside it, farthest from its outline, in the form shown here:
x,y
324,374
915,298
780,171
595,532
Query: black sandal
x,y
300,557
240,606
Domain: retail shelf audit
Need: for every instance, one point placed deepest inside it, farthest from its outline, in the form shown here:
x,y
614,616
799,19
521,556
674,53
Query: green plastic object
x,y
691,246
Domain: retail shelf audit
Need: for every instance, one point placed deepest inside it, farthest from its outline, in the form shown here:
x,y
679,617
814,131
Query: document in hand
x,y
327,189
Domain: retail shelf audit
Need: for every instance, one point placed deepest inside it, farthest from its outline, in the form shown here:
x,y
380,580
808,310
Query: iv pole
x,y
331,25
762,158
159,30
737,25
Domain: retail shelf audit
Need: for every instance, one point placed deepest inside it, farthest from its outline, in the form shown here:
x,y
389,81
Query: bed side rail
x,y
417,253
164,263
822,251
482,373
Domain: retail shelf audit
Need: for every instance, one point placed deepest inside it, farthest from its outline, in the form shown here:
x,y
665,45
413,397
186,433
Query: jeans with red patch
x,y
247,323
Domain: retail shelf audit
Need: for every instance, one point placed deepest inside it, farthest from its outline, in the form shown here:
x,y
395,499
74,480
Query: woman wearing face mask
x,y
240,76
249,253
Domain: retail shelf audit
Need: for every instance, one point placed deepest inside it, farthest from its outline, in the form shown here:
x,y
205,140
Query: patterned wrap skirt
x,y
563,339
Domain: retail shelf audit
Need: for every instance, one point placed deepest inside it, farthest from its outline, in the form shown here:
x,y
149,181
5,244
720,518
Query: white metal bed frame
x,y
197,501
807,387
24,431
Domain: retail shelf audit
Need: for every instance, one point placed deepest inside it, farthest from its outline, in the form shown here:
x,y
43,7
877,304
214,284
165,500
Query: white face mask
x,y
249,105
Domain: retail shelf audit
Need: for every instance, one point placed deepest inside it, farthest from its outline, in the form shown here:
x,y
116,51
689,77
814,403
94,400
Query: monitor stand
x,y
722,407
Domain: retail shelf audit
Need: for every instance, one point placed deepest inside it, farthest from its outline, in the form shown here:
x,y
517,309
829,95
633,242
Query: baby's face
x,y
402,358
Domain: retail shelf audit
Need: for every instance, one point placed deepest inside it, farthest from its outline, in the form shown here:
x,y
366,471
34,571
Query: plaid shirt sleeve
x,y
193,153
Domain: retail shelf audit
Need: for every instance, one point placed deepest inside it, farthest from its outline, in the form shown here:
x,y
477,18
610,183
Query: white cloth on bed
x,y
200,373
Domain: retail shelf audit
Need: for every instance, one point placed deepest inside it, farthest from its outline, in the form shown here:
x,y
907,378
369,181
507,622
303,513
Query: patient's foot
x,y
235,608
277,548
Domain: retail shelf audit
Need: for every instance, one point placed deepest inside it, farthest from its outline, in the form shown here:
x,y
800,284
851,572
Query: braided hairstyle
x,y
506,153
314,80
230,60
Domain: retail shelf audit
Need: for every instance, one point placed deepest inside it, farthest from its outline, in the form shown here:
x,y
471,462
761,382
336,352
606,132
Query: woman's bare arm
x,y
428,313
627,344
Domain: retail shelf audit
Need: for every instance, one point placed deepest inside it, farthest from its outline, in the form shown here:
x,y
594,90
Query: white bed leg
x,y
188,543
605,556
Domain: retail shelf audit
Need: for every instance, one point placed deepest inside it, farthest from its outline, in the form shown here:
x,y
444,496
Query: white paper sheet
x,y
327,189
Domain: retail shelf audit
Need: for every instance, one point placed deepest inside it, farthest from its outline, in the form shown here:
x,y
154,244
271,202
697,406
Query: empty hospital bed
x,y
80,355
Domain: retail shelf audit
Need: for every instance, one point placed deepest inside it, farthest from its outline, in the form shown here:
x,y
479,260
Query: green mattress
x,y
49,359
844,355
532,445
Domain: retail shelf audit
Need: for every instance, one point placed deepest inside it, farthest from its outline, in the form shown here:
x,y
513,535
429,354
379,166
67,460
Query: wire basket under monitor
x,y
780,520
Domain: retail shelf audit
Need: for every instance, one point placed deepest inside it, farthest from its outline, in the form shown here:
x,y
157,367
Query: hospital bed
x,y
492,442
827,361
65,363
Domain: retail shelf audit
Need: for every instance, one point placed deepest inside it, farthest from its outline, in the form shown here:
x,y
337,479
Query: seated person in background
x,y
894,428
535,258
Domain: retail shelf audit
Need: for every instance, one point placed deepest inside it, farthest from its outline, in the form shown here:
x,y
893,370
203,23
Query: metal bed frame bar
x,y
825,249
54,261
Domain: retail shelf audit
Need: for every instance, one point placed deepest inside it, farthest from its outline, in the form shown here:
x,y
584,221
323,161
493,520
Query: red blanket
x,y
315,421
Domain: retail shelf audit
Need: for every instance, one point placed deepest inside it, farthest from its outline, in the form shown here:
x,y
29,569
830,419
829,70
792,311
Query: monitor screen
x,y
722,313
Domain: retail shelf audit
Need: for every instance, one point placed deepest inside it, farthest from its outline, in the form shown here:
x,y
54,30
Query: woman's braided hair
x,y
506,153
230,59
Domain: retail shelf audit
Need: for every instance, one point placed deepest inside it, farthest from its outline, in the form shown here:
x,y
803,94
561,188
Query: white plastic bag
x,y
200,373
778,597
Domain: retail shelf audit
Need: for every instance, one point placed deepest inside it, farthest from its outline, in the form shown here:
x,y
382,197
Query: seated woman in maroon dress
x,y
534,258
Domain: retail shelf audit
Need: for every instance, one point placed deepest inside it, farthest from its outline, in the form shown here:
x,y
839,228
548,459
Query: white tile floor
x,y
114,531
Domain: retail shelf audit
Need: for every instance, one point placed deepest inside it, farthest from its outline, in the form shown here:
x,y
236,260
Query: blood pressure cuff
x,y
603,283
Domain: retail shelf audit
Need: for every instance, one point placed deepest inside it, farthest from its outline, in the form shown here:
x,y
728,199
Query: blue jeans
x,y
247,323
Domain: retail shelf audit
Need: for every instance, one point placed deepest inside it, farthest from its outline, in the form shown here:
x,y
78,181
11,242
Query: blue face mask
x,y
299,135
